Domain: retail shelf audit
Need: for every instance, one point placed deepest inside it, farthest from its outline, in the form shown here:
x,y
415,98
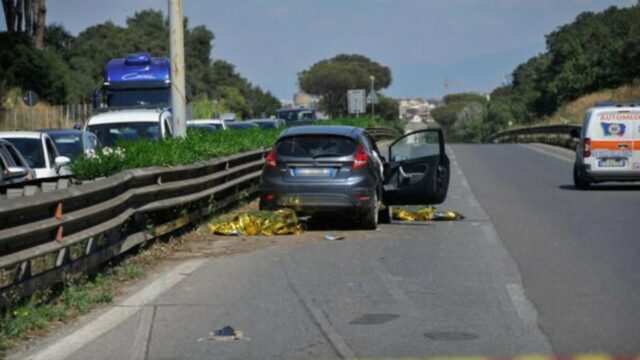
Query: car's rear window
x,y
316,146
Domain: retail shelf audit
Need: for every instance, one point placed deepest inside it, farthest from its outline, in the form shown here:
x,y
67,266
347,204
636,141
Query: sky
x,y
473,45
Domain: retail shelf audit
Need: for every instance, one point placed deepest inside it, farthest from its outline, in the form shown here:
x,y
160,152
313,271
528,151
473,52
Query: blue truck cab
x,y
137,80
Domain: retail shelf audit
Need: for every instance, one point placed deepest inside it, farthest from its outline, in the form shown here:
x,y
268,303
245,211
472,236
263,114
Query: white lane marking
x,y
557,156
66,346
525,309
142,338
321,320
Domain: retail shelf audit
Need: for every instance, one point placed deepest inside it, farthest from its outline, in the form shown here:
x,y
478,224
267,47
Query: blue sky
x,y
472,44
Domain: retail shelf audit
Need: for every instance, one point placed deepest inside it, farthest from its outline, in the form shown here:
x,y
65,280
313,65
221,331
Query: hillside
x,y
573,111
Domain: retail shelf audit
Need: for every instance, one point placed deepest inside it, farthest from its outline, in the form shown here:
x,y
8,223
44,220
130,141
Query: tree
x,y
26,17
332,78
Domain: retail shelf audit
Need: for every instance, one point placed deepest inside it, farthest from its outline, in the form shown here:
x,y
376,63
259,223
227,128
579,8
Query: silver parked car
x,y
40,152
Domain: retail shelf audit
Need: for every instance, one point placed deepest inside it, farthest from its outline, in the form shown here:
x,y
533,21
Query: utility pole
x,y
178,92
373,80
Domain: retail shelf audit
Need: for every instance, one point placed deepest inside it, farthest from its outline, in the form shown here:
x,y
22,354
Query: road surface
x,y
536,267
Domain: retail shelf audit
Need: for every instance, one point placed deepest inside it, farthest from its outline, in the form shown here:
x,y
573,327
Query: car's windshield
x,y
111,134
139,97
31,150
69,145
315,146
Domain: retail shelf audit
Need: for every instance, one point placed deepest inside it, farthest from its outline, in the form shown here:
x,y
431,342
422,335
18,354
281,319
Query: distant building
x,y
416,109
304,100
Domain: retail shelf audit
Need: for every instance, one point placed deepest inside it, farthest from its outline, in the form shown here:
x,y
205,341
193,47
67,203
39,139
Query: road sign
x,y
372,98
356,101
30,98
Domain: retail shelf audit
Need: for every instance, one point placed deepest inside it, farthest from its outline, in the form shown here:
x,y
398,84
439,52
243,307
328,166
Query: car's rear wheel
x,y
579,179
369,220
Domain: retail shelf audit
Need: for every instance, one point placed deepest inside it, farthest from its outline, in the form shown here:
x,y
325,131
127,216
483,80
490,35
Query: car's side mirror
x,y
575,133
15,171
62,161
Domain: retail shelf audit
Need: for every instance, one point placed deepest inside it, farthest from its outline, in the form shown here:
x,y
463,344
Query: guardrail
x,y
514,134
34,187
382,133
77,229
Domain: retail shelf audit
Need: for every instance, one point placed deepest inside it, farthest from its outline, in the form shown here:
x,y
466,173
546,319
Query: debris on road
x,y
280,222
333,238
429,213
226,333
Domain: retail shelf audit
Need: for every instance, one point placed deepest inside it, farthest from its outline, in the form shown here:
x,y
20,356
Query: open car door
x,y
418,169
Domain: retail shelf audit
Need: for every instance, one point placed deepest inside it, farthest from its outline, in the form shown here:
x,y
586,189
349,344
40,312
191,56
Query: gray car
x,y
320,170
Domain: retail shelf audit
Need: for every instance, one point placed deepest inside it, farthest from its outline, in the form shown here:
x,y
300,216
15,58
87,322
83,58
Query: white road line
x,y
321,320
141,341
66,346
557,156
526,311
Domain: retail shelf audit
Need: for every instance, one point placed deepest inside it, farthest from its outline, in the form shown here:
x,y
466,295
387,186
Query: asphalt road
x,y
536,267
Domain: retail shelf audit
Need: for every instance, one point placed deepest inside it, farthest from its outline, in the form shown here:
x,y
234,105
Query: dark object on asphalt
x,y
328,170
226,333
450,336
374,319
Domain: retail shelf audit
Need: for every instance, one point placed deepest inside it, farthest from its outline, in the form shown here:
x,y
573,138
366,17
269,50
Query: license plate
x,y
320,172
613,163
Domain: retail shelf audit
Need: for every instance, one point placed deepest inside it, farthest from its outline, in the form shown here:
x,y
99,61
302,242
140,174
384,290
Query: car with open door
x,y
338,170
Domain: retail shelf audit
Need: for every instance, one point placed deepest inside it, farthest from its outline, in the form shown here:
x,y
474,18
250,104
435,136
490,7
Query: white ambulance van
x,y
609,148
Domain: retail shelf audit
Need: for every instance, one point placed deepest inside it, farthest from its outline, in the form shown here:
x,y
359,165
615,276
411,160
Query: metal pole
x,y
373,79
178,93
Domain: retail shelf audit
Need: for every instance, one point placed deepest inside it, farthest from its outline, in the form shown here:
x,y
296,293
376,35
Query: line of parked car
x,y
29,155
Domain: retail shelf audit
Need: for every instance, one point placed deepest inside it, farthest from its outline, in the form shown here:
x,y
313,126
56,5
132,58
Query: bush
x,y
197,146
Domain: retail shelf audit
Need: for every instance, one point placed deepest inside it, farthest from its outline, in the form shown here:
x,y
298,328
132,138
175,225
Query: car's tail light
x,y
270,160
361,159
586,148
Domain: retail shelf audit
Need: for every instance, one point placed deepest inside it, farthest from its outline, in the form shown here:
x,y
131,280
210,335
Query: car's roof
x,y
125,116
63,131
21,134
339,130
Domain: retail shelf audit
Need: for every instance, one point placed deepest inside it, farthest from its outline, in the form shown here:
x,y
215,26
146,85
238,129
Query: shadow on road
x,y
609,187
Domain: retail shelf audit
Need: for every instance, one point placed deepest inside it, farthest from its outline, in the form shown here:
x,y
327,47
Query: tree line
x,y
66,68
594,52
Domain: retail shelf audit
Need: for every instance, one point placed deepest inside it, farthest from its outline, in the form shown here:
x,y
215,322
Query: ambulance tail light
x,y
586,152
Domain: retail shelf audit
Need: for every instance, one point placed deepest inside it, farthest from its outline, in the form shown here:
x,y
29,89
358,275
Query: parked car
x,y
130,125
606,150
40,152
241,125
72,143
217,123
297,116
319,170
13,167
268,123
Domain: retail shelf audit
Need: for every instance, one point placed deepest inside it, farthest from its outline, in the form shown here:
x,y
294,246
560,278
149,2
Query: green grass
x,y
197,146
78,296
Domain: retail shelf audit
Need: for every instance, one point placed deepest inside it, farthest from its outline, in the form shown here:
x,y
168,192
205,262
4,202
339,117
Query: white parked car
x,y
130,125
40,152
608,145
216,123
